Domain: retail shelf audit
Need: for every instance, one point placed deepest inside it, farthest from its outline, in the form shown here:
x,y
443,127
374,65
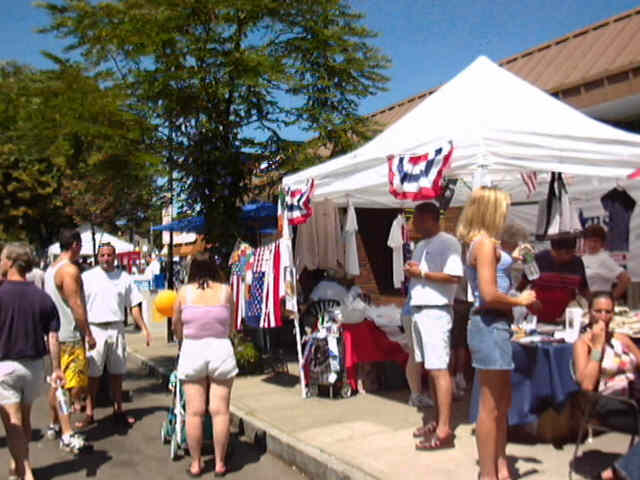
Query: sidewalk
x,y
367,436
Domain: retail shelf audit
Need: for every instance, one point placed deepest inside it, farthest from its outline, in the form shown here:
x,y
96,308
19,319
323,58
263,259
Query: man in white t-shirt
x,y
108,293
435,270
602,270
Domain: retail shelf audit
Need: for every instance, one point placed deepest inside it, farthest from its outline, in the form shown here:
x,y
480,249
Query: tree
x,y
222,80
69,151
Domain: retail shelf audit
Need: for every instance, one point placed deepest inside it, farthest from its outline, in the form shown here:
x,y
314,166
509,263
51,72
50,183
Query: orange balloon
x,y
164,302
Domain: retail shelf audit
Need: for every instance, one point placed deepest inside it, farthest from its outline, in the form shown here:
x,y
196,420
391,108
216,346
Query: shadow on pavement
x,y
106,427
89,462
283,379
591,462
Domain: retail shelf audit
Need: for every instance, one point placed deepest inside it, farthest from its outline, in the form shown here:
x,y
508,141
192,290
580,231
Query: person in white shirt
x,y
435,270
108,292
602,270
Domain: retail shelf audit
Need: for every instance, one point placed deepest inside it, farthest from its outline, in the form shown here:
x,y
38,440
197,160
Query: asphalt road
x,y
137,453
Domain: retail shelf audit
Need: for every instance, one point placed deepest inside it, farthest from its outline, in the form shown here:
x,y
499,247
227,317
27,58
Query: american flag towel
x,y
419,177
298,202
263,308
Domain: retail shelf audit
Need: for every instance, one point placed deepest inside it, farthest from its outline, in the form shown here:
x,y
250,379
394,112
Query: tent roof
x,y
87,243
494,119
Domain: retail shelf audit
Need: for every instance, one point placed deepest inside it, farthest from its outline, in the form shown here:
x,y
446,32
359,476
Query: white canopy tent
x,y
87,243
495,120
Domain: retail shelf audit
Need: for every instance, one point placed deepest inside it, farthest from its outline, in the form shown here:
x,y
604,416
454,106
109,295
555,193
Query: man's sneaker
x,y
420,400
53,431
74,443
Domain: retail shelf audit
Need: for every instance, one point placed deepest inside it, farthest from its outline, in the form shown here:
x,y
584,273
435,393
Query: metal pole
x,y
170,284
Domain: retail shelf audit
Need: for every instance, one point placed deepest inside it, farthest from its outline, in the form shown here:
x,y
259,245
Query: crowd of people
x,y
482,254
77,320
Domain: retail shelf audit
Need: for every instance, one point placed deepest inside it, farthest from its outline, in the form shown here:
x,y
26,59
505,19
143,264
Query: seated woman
x,y
606,362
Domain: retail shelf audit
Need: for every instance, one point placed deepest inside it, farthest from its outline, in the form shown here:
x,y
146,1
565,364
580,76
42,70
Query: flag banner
x,y
419,177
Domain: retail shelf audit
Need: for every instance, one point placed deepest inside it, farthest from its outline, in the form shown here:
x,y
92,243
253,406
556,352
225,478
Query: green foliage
x,y
247,355
70,151
222,79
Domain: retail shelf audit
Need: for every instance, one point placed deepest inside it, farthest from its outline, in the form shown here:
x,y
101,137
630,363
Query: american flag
x,y
530,180
419,177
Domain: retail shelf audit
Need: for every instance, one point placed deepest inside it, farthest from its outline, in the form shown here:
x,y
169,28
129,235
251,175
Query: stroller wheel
x,y
173,452
346,391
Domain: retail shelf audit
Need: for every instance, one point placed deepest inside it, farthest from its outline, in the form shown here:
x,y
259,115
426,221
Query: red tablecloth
x,y
365,342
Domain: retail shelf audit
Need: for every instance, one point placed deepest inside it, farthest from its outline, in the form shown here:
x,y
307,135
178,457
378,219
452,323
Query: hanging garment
x,y
419,177
396,241
263,307
351,263
298,201
556,213
319,243
620,206
239,260
287,284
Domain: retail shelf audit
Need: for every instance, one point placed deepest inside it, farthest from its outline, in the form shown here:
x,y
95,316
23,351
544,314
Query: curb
x,y
312,461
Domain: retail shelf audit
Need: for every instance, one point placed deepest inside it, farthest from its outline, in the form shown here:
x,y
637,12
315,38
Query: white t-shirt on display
x,y
602,270
395,241
108,294
440,253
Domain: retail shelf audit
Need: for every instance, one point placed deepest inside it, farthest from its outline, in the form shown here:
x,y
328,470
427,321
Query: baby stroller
x,y
324,355
174,427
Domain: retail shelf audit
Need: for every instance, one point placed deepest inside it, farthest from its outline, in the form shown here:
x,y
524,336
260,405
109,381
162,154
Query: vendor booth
x,y
87,237
486,126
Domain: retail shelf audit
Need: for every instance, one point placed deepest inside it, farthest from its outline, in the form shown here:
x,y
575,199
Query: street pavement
x,y
137,453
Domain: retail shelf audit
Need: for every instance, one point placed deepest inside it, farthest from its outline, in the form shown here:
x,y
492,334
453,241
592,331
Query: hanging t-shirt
x,y
602,270
351,263
620,205
396,242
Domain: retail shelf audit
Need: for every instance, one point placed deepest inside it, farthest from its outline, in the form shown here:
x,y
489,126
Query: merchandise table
x,y
541,378
365,342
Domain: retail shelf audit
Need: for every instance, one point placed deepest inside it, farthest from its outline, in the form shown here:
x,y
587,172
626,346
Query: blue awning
x,y
191,224
262,211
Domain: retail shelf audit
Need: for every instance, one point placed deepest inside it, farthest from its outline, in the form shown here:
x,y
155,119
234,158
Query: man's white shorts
x,y
111,349
21,381
431,331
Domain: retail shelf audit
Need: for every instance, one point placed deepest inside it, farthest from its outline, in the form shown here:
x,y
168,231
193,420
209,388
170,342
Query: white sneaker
x,y
74,443
420,400
53,431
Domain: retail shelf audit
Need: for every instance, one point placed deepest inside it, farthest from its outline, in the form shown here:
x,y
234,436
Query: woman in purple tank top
x,y
202,319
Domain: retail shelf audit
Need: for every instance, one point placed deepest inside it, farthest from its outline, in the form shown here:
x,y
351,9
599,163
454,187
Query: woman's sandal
x,y
436,443
425,430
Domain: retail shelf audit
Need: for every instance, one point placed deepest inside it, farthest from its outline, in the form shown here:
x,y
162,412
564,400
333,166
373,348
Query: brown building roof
x,y
591,66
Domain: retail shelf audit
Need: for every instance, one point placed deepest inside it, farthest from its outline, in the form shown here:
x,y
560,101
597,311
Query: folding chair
x,y
592,419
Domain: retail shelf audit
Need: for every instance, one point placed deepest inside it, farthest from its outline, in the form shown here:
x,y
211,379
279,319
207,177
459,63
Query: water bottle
x,y
63,399
531,269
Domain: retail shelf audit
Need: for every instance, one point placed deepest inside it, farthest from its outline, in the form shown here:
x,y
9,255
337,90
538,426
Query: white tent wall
x,y
495,119
87,243
585,193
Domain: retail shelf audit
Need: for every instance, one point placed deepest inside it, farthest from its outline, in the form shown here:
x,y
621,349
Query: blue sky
x,y
428,41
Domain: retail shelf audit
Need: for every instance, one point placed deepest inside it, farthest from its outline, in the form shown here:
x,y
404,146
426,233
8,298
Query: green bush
x,y
248,357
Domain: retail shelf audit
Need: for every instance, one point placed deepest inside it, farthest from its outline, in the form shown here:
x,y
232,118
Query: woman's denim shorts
x,y
489,337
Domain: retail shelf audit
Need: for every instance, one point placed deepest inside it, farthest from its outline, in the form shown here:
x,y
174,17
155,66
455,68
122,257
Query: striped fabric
x,y
419,177
298,202
530,180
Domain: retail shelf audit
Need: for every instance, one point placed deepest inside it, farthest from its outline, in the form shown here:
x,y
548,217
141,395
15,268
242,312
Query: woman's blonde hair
x,y
484,213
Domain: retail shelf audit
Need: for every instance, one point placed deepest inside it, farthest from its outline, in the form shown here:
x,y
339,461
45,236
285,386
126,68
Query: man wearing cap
x,y
602,270
435,270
